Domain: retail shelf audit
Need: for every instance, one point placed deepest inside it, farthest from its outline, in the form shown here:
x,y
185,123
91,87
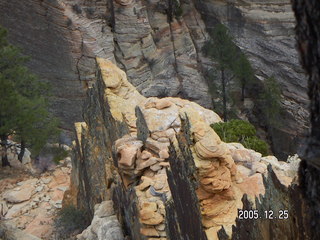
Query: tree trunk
x,y
224,95
23,148
307,13
4,143
242,92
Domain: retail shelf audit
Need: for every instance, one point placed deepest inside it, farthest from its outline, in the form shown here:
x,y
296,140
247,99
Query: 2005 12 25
x,y
267,214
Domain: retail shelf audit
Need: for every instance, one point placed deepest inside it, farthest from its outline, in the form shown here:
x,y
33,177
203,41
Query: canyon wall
x,y
158,44
62,52
264,30
166,170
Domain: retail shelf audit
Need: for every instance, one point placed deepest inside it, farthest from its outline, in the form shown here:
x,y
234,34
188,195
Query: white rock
x,y
17,196
26,157
15,210
63,188
46,180
104,209
259,167
104,225
3,208
244,170
39,189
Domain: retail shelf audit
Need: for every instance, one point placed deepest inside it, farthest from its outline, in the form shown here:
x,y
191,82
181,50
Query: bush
x,y
256,144
69,22
271,101
178,12
57,153
77,9
90,11
242,132
70,220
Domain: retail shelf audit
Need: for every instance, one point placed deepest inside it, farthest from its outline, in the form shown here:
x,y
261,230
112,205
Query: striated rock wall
x,y
158,48
63,38
62,47
264,30
166,170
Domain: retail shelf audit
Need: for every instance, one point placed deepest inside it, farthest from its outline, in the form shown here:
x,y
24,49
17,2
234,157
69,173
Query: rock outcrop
x,y
64,37
28,204
158,45
104,226
161,163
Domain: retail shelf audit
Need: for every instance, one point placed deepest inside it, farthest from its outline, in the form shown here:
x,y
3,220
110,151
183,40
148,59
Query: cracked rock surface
x,y
154,169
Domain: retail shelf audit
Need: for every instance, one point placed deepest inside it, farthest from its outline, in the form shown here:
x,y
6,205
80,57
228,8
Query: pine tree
x,y
231,63
23,102
270,101
222,50
243,73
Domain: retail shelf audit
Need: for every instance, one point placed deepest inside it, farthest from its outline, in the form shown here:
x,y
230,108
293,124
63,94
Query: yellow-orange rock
x,y
151,218
163,103
124,2
216,180
145,155
163,154
150,232
149,214
253,185
128,156
222,208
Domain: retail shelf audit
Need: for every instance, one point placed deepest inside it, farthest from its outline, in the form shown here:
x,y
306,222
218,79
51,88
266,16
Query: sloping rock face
x,y
264,30
62,47
168,173
158,48
63,37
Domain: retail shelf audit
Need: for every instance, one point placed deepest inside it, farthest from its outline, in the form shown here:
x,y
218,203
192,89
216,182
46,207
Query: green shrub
x,y
77,9
58,153
270,101
178,12
234,130
90,11
70,220
242,132
256,144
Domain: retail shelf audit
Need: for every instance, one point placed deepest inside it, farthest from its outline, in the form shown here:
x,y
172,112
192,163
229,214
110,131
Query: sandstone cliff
x,y
158,45
166,170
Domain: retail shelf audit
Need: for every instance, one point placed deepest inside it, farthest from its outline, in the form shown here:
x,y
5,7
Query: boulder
x,y
19,194
104,225
163,103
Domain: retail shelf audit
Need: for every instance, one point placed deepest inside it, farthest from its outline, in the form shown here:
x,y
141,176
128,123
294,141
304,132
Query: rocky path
x,y
28,203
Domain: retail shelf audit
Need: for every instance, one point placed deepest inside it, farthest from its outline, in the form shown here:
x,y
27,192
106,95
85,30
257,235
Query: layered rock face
x,y
62,48
264,30
63,37
158,44
168,173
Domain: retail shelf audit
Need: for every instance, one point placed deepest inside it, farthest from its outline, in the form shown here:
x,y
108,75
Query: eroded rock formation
x,y
158,45
167,171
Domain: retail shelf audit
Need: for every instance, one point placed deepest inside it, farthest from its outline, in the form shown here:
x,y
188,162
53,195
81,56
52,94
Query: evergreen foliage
x,y
243,72
177,9
231,62
69,220
23,102
270,101
242,132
